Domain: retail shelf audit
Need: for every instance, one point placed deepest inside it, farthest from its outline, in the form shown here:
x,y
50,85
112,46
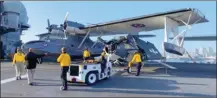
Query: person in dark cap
x,y
65,60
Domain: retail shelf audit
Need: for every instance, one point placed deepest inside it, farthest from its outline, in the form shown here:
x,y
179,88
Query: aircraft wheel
x,y
91,78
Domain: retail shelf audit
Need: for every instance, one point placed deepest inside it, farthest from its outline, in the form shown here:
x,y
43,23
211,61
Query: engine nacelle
x,y
74,30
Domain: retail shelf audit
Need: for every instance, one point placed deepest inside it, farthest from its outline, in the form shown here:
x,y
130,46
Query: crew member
x,y
65,60
136,61
86,55
103,60
18,62
32,61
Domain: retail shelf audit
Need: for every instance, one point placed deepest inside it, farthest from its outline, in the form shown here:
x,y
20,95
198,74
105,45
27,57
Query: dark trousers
x,y
138,68
103,65
64,71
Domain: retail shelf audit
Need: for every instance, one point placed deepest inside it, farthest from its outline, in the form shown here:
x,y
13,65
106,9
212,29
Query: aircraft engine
x,y
71,27
74,30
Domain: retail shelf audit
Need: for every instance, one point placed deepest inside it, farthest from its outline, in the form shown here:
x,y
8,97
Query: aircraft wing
x,y
145,36
200,38
43,34
144,23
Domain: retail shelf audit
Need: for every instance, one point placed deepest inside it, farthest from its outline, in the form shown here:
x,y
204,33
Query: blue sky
x,y
102,11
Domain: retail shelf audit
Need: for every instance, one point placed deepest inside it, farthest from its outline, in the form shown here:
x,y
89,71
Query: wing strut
x,y
97,39
171,25
191,57
84,39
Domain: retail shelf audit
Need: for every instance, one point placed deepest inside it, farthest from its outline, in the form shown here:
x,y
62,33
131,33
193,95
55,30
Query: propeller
x,y
65,20
112,44
49,26
65,24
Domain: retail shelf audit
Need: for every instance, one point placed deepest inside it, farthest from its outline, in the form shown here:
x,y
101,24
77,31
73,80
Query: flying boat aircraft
x,y
75,36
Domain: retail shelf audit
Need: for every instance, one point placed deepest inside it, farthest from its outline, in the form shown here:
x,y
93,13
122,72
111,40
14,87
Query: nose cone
x,y
25,47
37,46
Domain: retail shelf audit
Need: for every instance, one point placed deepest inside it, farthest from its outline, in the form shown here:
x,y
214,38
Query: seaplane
x,y
172,22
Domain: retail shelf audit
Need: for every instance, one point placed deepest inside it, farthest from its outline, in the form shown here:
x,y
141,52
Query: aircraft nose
x,y
24,47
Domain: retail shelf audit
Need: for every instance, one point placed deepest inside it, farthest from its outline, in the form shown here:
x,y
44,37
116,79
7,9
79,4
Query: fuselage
x,y
52,43
53,47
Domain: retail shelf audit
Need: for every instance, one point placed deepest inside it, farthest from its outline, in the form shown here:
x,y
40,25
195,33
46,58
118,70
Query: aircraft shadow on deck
x,y
175,73
134,85
187,70
131,85
47,84
186,74
53,82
